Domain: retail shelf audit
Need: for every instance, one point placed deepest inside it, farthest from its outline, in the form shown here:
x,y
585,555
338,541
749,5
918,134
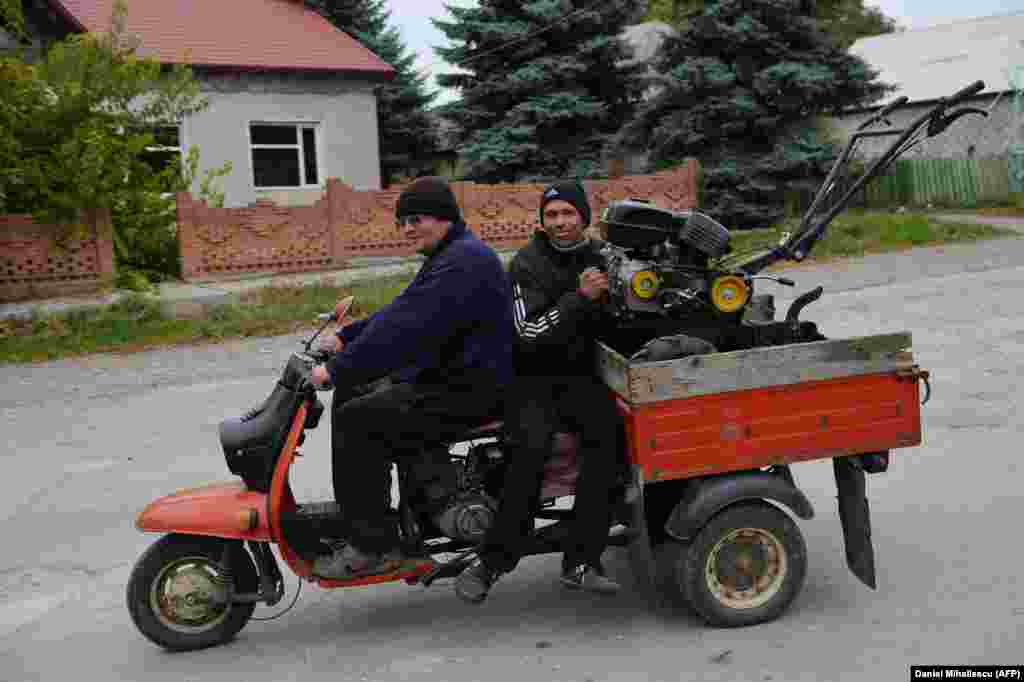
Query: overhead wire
x,y
550,26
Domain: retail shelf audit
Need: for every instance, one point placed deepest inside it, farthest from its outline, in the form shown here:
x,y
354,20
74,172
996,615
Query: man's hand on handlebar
x,y
320,377
332,344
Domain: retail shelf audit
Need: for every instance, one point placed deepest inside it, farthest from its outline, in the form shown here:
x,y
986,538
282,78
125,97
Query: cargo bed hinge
x,y
916,373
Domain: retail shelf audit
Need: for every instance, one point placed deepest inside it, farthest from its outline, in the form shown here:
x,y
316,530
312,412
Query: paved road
x,y
90,441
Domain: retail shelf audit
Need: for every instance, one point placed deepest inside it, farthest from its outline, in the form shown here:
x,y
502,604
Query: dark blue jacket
x,y
452,325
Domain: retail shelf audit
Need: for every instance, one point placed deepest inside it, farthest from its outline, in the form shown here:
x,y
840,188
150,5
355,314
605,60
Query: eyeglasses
x,y
412,220
565,213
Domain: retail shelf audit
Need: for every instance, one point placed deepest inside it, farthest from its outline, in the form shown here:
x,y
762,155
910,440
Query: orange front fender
x,y
223,510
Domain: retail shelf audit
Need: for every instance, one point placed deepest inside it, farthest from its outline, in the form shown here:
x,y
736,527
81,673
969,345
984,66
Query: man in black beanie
x,y
449,337
557,288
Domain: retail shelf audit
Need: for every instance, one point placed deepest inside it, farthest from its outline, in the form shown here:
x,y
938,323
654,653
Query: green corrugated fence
x,y
943,182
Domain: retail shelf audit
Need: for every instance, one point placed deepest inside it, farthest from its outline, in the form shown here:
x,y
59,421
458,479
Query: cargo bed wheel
x,y
178,593
745,566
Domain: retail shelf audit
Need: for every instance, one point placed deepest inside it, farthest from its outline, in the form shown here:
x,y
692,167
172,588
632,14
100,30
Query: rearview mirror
x,y
344,305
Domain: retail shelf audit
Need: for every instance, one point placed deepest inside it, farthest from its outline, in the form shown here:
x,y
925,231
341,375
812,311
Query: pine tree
x,y
739,89
542,88
844,20
847,20
359,18
408,136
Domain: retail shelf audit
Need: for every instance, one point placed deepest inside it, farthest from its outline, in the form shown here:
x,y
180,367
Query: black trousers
x,y
537,407
371,431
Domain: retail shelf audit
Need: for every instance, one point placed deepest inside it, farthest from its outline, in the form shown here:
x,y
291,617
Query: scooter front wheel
x,y
179,594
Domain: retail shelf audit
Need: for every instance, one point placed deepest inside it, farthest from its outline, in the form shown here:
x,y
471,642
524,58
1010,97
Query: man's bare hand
x,y
333,343
593,283
320,376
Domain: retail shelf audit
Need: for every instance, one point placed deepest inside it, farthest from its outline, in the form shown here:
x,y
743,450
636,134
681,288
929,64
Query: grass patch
x,y
857,233
998,211
136,322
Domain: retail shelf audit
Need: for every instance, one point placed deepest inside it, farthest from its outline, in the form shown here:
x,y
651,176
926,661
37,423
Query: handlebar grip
x,y
972,89
891,106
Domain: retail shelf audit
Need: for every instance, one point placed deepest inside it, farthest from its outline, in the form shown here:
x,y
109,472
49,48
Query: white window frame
x,y
299,126
167,148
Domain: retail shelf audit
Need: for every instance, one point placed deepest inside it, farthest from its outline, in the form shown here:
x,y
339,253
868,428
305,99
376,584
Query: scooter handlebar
x,y
962,94
892,106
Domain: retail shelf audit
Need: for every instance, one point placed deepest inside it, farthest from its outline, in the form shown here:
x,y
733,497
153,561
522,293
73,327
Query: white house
x,y
292,99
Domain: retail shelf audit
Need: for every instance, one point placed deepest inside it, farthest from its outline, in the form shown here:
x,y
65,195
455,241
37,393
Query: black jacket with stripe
x,y
555,324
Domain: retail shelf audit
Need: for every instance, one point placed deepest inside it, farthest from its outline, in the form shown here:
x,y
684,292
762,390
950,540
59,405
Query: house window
x,y
284,155
165,152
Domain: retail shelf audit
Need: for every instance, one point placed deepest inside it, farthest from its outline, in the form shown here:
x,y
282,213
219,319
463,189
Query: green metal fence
x,y
942,182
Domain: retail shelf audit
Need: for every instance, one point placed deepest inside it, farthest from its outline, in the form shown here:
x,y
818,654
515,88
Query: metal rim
x,y
746,568
190,595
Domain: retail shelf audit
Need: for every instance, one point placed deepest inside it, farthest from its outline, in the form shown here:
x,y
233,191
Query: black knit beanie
x,y
571,191
428,196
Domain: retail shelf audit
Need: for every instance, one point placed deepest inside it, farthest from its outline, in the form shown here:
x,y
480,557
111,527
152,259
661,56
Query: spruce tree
x,y
843,20
739,89
847,20
359,18
543,88
408,136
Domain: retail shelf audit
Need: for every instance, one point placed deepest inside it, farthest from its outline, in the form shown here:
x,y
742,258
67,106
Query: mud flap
x,y
641,558
855,516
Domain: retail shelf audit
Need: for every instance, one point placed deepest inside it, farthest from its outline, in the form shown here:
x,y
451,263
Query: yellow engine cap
x,y
729,293
645,284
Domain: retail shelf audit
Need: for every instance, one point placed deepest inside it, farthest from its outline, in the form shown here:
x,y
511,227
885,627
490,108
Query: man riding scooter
x,y
449,336
557,287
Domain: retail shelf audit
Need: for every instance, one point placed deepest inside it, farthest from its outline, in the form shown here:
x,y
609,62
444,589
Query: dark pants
x,y
536,409
371,431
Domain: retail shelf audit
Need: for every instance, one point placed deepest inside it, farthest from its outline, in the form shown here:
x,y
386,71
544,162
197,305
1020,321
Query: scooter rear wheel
x,y
746,566
178,593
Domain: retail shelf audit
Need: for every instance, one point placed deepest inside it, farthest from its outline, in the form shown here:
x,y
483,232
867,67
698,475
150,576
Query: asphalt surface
x,y
90,441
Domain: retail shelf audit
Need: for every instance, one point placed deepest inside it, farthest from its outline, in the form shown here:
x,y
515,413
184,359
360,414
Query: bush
x,y
137,307
132,280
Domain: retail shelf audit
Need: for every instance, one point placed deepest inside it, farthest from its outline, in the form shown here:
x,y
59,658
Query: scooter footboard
x,y
223,510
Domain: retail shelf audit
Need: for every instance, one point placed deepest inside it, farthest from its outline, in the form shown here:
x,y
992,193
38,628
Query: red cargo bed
x,y
749,409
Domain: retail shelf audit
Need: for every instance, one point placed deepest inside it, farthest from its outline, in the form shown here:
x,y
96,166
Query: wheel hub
x,y
190,595
746,568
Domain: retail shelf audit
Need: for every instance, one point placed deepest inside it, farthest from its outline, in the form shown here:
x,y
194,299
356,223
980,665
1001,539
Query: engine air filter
x,y
705,234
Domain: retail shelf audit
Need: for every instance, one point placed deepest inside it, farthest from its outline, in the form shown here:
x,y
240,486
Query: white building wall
x,y
344,111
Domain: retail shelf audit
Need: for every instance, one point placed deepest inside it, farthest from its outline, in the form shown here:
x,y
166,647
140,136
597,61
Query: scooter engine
x,y
467,517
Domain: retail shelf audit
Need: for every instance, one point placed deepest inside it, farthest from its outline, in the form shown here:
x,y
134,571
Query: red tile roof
x,y
247,34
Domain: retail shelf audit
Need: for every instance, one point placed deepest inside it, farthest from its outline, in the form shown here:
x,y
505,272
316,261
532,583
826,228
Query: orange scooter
x,y
702,513
198,585
710,441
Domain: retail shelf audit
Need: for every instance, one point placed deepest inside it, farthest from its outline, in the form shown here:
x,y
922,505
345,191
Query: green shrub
x,y
132,280
137,307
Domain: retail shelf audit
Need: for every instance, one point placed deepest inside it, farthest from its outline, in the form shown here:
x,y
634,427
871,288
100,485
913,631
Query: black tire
x,y
215,621
744,567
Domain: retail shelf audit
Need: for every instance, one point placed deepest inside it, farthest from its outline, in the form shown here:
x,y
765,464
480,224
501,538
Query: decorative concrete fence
x,y
263,237
37,261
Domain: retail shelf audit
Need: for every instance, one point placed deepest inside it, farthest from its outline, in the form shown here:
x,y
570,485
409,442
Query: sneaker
x,y
475,581
345,561
589,579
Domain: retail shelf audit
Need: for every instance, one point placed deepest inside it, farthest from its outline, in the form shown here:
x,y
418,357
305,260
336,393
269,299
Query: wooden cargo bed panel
x,y
652,382
777,425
